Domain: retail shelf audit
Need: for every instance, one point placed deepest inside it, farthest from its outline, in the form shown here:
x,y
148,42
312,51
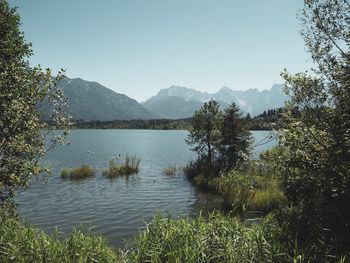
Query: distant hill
x,y
181,102
90,101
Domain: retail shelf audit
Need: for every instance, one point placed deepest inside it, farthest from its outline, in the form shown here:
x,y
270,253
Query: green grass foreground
x,y
130,166
81,172
216,239
22,243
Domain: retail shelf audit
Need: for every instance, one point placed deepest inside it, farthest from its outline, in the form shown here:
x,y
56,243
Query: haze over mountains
x,y
181,102
90,101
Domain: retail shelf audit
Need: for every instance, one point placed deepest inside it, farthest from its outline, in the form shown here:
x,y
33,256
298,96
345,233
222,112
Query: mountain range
x,y
90,101
181,102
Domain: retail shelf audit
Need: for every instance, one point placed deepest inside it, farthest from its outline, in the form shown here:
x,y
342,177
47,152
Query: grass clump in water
x,y
81,172
130,166
170,170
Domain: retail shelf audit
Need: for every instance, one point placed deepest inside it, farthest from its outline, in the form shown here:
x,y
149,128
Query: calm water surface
x,y
117,208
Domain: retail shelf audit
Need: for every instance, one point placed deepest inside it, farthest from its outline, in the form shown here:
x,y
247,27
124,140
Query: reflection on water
x,y
116,208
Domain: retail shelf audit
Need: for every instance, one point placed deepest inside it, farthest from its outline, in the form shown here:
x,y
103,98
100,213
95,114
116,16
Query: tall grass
x,y
267,200
170,170
216,239
22,243
130,166
81,172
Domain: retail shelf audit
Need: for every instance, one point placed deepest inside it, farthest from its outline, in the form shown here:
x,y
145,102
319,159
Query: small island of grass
x,y
130,166
170,170
78,173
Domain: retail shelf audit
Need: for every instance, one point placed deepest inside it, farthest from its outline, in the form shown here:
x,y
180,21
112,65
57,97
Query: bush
x,y
130,166
171,170
78,173
21,243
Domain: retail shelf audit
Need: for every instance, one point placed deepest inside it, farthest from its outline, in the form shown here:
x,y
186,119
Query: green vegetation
x,y
22,89
215,239
78,173
170,170
21,243
235,138
267,120
305,181
130,166
158,124
310,170
204,134
221,139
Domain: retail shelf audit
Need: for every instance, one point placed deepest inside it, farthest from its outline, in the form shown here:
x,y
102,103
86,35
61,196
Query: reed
x,y
130,166
170,170
21,243
215,239
267,200
78,173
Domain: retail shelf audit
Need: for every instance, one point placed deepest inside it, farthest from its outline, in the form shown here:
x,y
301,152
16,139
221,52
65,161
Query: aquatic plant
x,y
170,170
81,172
130,166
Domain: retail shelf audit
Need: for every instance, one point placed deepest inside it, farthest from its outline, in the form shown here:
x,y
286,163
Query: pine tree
x,y
235,137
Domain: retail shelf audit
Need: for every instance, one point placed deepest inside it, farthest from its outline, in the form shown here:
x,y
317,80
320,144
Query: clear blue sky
x,y
138,47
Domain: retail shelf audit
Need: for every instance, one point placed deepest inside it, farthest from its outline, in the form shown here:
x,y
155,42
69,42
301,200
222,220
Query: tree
x,y
22,89
205,133
235,137
317,168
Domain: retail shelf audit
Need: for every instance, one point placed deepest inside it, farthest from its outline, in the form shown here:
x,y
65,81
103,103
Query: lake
x,y
117,208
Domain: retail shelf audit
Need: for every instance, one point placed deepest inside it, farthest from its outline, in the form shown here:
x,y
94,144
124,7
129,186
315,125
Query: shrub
x,y
81,172
130,166
171,170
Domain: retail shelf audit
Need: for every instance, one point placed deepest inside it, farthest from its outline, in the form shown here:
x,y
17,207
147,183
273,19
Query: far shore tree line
x,y
268,120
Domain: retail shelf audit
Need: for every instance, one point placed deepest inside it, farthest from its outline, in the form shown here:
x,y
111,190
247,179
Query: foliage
x,y
268,120
237,190
81,172
243,191
205,133
130,166
22,90
267,200
170,170
21,243
316,172
235,138
216,239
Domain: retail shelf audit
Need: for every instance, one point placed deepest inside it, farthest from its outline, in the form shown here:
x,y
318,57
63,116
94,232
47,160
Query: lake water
x,y
117,208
